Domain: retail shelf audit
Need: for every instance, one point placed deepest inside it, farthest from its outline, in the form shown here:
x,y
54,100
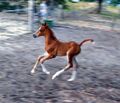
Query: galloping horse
x,y
54,47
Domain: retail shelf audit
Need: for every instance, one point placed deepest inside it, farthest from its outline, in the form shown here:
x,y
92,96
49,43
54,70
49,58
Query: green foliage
x,y
8,6
88,0
84,0
61,2
4,5
115,2
57,2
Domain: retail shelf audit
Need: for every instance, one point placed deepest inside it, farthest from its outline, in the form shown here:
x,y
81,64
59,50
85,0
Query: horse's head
x,y
40,31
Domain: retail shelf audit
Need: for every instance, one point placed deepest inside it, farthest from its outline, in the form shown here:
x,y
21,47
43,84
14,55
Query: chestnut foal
x,y
54,47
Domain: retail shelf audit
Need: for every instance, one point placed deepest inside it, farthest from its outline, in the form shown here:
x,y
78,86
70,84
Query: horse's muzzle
x,y
34,36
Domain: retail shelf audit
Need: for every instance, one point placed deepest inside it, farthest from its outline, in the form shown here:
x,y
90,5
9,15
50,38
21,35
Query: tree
x,y
88,0
115,2
99,8
57,2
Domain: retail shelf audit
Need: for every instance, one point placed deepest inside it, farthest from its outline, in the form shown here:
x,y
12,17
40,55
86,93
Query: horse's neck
x,y
49,37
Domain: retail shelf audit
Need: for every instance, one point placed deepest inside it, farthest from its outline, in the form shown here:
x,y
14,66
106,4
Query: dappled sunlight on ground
x,y
11,27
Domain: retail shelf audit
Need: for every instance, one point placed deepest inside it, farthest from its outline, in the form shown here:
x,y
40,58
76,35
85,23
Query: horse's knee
x,y
39,58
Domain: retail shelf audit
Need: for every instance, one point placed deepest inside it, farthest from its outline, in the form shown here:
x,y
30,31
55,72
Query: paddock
x,y
98,78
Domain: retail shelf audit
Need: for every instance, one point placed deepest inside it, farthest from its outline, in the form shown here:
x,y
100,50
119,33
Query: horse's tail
x,y
86,40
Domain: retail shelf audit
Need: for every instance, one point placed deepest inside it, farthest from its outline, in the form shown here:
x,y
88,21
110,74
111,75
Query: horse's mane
x,y
51,33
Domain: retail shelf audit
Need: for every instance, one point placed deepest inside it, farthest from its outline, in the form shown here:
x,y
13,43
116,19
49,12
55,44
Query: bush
x,y
86,0
115,2
4,5
7,6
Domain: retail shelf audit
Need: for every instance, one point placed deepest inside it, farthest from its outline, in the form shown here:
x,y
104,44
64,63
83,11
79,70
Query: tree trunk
x,y
99,9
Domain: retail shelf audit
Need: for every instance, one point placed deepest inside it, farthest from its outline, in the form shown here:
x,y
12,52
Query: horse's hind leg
x,y
74,72
60,72
69,65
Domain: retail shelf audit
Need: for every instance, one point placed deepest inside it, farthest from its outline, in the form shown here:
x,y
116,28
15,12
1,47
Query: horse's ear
x,y
45,24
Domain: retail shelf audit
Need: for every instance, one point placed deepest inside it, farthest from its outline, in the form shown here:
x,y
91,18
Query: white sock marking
x,y
73,76
57,73
93,43
32,71
44,69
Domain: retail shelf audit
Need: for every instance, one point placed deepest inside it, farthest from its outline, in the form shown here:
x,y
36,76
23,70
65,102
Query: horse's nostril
x,y
34,36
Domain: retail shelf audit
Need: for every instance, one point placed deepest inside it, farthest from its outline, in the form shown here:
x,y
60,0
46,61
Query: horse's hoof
x,y
32,71
53,77
70,80
48,73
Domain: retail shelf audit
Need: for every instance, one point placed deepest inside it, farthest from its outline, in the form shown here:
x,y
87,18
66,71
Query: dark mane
x,y
52,34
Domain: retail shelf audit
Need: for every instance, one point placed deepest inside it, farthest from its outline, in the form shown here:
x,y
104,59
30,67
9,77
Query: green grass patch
x,y
113,9
111,12
110,15
80,5
108,11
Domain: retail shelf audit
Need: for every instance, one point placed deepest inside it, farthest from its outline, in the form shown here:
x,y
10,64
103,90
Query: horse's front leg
x,y
43,60
36,63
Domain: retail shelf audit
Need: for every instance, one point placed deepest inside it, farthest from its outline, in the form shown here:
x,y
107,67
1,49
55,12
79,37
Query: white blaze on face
x,y
93,42
37,30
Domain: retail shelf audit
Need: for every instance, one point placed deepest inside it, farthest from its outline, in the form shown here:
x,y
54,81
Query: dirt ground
x,y
98,76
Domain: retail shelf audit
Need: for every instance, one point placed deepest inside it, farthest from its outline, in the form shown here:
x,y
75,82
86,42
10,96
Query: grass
x,y
113,9
108,11
110,15
80,5
111,12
